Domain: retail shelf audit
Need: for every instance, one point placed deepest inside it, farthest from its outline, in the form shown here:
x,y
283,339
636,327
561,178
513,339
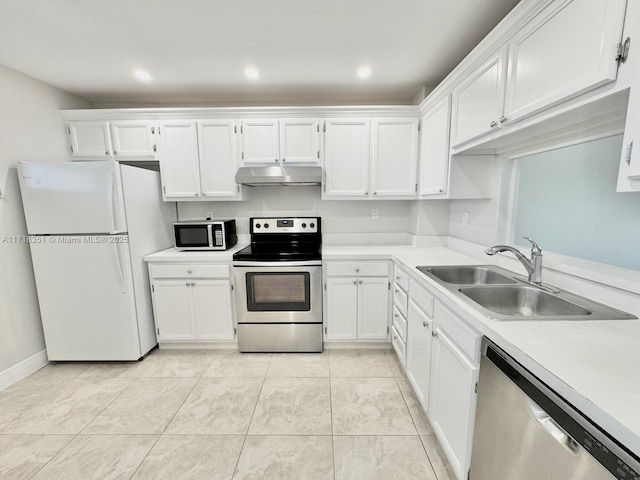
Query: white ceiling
x,y
197,50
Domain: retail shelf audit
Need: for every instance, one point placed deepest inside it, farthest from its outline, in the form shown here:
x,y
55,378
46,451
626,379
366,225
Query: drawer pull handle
x,y
425,324
396,290
395,315
397,277
434,334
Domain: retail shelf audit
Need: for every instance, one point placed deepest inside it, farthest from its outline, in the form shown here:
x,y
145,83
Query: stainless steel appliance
x,y
278,285
524,430
205,235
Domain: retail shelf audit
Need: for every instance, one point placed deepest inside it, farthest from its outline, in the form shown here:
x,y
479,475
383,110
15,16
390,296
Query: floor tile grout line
x,y
54,456
244,440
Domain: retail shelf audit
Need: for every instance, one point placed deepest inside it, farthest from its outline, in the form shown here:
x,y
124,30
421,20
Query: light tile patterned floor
x,y
206,414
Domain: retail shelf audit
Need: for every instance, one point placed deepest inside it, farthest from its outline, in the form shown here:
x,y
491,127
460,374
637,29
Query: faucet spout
x,y
533,266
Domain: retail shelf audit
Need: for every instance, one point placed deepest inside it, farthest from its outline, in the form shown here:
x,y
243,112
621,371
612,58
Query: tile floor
x,y
220,414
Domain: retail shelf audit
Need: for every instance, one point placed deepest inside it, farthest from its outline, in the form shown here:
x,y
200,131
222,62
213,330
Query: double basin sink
x,y
501,295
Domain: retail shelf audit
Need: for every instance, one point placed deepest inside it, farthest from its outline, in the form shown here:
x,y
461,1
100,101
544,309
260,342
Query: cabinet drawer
x,y
187,271
422,298
399,346
464,337
400,323
401,278
358,269
400,299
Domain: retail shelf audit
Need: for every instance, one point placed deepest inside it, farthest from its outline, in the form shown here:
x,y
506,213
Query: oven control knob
x,y
266,225
304,225
257,225
312,225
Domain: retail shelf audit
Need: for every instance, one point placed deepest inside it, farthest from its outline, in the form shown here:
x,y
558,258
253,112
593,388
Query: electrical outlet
x,y
465,218
209,215
374,213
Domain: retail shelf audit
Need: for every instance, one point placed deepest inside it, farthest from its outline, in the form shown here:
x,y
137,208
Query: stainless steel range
x,y
278,280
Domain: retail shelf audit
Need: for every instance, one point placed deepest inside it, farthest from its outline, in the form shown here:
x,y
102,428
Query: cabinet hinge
x,y
318,153
622,52
232,287
324,127
153,288
238,188
325,330
325,285
69,130
318,127
387,330
164,189
71,147
158,130
476,389
469,475
389,286
324,187
419,124
627,155
235,129
158,330
235,331
155,149
416,187
242,155
241,129
153,130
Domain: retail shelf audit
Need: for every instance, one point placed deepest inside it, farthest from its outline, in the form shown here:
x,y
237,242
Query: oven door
x,y
277,293
192,237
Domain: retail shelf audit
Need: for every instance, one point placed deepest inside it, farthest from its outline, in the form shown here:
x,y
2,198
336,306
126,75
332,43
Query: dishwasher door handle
x,y
552,427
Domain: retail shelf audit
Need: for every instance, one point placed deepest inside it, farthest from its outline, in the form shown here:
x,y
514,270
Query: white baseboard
x,y
23,369
197,345
337,345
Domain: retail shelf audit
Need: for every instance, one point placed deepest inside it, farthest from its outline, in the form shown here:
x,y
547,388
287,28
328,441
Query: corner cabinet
x,y
357,301
192,304
434,149
199,160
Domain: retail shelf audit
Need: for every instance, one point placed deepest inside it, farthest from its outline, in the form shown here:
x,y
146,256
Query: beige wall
x,y
31,129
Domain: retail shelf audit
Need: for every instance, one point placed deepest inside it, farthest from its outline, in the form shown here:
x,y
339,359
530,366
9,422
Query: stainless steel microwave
x,y
205,235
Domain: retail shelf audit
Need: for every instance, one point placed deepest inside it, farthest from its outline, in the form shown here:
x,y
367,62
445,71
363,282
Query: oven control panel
x,y
285,225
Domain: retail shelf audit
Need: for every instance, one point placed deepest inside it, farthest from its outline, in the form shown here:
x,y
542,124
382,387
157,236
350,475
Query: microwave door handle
x,y
210,235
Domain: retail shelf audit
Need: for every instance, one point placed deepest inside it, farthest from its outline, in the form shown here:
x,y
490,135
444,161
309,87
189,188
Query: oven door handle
x,y
304,263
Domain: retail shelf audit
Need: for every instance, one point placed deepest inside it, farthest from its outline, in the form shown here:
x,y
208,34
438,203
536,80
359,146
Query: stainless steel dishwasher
x,y
525,431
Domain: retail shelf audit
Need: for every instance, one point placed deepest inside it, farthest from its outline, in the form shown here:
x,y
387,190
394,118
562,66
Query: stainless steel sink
x,y
522,301
467,275
502,295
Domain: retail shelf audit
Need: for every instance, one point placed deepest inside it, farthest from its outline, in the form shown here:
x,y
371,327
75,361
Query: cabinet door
x,y
373,308
173,309
299,141
133,140
89,140
453,401
478,103
558,58
342,308
434,149
218,158
260,143
179,166
213,312
395,157
419,328
346,158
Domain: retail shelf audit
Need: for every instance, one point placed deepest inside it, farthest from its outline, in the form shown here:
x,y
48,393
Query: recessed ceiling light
x,y
252,73
142,75
364,72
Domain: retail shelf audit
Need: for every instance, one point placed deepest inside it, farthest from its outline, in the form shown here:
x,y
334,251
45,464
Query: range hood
x,y
279,175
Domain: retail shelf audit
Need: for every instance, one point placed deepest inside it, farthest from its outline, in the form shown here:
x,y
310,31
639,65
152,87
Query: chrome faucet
x,y
533,266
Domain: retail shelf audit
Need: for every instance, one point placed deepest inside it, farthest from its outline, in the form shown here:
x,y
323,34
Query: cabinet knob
x,y
187,284
189,271
355,281
106,153
357,269
360,282
441,190
493,124
277,161
196,194
395,315
284,159
397,277
396,290
434,334
503,119
425,324
193,284
366,193
115,152
375,193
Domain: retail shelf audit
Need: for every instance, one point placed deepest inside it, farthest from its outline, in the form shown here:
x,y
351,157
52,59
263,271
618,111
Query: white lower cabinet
x,y
452,402
192,309
357,307
419,339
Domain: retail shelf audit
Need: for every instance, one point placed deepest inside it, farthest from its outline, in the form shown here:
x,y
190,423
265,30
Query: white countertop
x,y
172,255
595,365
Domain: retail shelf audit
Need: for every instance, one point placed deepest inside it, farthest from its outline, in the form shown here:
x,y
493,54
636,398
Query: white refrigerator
x,y
90,225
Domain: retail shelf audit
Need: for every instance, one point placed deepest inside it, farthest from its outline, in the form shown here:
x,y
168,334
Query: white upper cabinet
x,y
179,166
394,156
478,102
133,140
260,141
570,50
218,159
299,140
346,157
434,149
89,140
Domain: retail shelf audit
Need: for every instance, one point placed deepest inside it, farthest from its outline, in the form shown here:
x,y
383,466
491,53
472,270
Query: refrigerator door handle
x,y
112,213
119,270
